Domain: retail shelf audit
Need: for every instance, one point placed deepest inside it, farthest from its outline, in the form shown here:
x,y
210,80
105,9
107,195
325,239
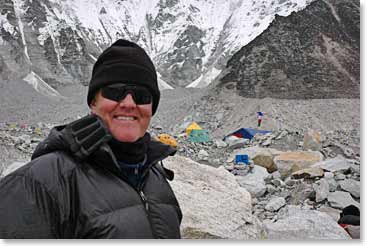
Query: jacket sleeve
x,y
26,209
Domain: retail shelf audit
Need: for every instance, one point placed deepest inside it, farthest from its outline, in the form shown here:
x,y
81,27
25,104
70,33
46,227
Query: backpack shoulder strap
x,y
169,174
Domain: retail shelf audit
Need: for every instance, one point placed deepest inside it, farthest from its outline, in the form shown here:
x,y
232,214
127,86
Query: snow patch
x,y
41,86
93,57
18,13
206,79
162,85
5,25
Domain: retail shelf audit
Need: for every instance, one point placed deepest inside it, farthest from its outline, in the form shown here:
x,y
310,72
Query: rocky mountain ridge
x,y
314,53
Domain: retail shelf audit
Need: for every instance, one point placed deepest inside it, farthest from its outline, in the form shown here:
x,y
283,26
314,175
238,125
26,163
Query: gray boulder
x,y
334,213
220,143
328,175
12,167
254,181
338,163
312,140
308,173
203,155
289,162
214,205
322,190
339,176
352,186
303,224
300,193
341,199
333,185
275,204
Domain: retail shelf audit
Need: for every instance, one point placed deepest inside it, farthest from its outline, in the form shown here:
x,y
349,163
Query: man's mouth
x,y
126,118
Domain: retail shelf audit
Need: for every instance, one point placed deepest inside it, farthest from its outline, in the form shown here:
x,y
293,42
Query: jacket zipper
x,y
146,207
145,201
139,189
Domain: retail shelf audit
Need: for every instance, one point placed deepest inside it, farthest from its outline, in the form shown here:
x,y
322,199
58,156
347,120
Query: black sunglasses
x,y
118,92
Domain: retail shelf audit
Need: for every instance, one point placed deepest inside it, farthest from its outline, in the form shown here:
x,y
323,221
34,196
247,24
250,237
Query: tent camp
x,y
167,139
199,136
192,126
248,133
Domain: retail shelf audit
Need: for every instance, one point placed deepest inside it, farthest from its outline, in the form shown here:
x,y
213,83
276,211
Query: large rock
x,y
338,163
300,193
214,205
302,224
289,162
275,204
311,172
354,231
9,153
265,159
312,140
333,185
322,190
352,186
12,167
254,181
341,199
203,155
332,212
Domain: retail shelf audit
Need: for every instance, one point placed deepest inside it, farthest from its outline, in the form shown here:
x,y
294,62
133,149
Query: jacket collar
x,y
103,156
156,152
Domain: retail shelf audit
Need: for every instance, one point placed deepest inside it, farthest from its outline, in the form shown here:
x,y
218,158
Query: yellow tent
x,y
167,139
192,126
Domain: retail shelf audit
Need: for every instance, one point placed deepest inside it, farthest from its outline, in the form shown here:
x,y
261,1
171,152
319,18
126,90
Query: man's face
x,y
126,120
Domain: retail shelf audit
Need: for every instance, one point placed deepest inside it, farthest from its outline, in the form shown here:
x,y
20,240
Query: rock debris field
x,y
306,170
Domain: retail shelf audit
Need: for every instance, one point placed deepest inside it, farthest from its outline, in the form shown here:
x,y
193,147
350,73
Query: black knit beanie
x,y
124,62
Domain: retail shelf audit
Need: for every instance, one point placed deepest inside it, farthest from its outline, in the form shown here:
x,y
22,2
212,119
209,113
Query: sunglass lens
x,y
113,93
142,96
117,93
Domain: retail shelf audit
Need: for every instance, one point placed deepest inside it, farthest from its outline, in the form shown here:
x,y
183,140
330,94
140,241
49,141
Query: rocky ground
x,y
314,170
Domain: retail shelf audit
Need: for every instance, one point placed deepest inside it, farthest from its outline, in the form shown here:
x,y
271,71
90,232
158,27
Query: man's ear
x,y
92,106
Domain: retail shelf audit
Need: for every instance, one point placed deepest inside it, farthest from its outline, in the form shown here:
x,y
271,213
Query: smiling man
x,y
100,176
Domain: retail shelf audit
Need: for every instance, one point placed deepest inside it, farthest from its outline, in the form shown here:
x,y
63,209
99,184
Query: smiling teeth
x,y
124,118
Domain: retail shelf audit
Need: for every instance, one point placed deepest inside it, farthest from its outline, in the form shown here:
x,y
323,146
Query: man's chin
x,y
126,138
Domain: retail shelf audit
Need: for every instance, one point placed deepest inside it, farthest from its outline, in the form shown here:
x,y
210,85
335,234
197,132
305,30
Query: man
x,y
259,118
100,176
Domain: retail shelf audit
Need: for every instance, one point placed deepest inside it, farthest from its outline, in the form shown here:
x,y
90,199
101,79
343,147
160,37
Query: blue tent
x,y
248,133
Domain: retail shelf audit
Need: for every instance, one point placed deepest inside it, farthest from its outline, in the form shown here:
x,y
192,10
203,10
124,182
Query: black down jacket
x,y
58,196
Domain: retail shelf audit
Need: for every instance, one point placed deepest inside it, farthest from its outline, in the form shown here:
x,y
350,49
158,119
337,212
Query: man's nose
x,y
128,101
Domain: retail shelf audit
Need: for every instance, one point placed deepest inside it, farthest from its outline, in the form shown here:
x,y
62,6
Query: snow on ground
x,y
40,85
206,79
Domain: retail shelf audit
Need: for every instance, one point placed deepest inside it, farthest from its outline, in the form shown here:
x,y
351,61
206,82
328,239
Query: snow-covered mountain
x,y
55,42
